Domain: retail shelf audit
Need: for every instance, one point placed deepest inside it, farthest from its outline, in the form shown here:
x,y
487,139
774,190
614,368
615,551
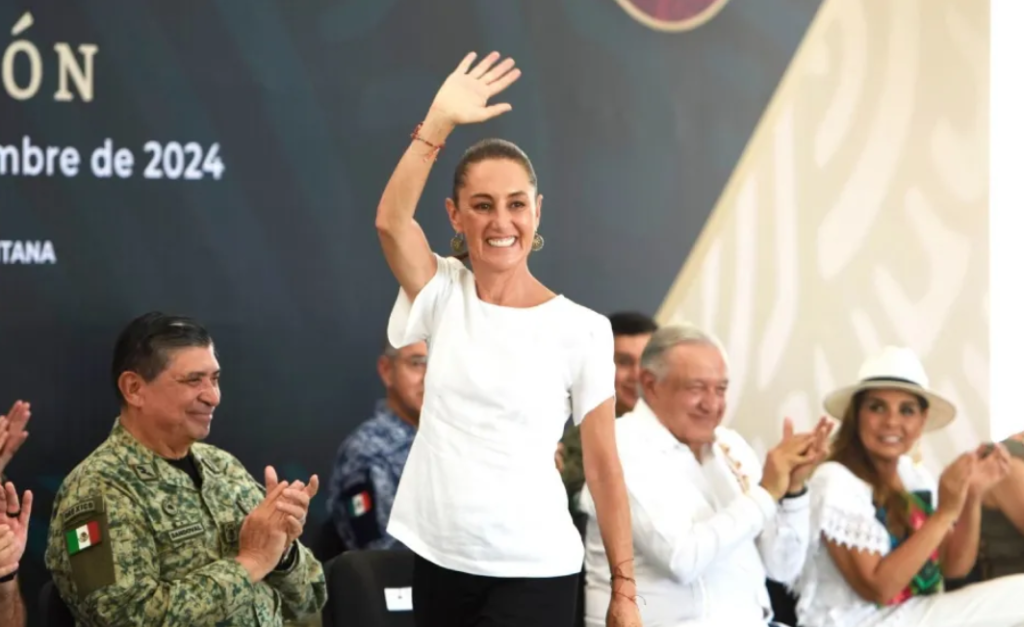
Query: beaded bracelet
x,y
435,149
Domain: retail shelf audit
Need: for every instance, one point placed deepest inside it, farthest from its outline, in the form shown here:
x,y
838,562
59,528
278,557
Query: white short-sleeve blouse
x,y
480,492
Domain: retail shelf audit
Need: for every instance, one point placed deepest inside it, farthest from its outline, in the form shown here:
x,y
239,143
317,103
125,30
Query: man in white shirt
x,y
708,523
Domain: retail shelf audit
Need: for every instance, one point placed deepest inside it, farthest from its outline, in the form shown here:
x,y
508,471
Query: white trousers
x,y
994,603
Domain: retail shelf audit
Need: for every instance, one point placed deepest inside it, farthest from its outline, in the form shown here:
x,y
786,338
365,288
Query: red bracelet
x,y
435,149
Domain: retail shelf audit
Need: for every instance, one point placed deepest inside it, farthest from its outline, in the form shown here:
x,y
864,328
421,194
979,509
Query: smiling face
x,y
889,422
498,211
176,406
689,396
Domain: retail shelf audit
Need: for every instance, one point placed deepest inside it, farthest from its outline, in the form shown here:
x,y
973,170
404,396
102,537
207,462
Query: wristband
x,y
10,577
795,496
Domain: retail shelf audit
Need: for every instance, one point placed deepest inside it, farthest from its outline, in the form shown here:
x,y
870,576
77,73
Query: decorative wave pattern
x,y
857,217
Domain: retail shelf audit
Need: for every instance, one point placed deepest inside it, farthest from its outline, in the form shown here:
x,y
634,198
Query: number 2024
x,y
173,161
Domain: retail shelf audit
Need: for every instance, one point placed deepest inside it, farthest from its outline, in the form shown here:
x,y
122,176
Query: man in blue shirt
x,y
370,461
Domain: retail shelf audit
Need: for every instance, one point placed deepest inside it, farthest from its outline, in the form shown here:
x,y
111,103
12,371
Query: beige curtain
x,y
857,217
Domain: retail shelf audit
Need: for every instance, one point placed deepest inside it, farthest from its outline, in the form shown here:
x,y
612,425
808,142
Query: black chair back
x,y
52,609
324,541
359,584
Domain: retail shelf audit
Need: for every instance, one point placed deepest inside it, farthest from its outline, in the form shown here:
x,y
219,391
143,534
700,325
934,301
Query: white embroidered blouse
x,y
842,511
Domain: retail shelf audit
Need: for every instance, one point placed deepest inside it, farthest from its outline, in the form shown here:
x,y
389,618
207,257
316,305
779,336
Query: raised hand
x,y
819,452
14,516
463,97
12,431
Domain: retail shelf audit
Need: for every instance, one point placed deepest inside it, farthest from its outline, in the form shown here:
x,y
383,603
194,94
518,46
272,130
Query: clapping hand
x,y
14,519
793,451
955,483
12,431
819,451
463,97
992,466
293,504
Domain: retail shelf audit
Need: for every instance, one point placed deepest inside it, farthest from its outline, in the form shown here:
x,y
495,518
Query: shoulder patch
x,y
359,503
90,554
90,505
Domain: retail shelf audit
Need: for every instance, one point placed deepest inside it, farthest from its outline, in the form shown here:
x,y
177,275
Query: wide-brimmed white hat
x,y
897,368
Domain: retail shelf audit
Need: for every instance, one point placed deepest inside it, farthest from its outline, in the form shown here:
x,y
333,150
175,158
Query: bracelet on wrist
x,y
435,149
795,495
10,577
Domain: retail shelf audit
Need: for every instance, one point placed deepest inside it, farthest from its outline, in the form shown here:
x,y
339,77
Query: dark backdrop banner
x,y
224,160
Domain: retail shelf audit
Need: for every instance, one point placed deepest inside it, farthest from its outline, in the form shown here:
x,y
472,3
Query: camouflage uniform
x,y
366,473
572,465
165,549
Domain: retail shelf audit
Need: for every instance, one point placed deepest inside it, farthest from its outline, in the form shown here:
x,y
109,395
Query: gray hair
x,y
667,338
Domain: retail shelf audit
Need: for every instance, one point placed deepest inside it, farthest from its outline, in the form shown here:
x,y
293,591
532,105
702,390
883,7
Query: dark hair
x,y
143,346
485,150
632,323
849,450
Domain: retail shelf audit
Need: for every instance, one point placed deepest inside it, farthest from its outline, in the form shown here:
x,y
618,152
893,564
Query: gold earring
x,y
538,242
458,244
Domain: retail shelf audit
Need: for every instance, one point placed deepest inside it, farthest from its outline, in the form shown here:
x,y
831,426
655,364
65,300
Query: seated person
x,y
708,523
14,517
1002,519
884,537
630,331
155,527
370,460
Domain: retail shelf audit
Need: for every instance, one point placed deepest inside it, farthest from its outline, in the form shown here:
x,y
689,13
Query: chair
x,y
324,541
52,609
358,586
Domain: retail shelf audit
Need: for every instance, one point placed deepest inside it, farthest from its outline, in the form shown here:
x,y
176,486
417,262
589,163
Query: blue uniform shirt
x,y
365,478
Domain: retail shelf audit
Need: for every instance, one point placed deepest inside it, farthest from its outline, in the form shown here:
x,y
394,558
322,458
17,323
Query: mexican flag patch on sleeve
x,y
82,538
359,504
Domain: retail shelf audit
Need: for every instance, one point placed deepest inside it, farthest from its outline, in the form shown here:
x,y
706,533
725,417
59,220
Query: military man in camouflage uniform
x,y
155,528
370,461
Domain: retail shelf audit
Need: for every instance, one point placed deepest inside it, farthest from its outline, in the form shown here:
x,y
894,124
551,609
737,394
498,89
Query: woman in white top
x,y
884,536
480,501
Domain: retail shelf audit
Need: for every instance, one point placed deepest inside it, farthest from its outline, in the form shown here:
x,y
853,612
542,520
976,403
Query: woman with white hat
x,y
884,535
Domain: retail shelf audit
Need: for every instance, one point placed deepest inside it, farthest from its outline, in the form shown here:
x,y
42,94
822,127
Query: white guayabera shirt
x,y
705,534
